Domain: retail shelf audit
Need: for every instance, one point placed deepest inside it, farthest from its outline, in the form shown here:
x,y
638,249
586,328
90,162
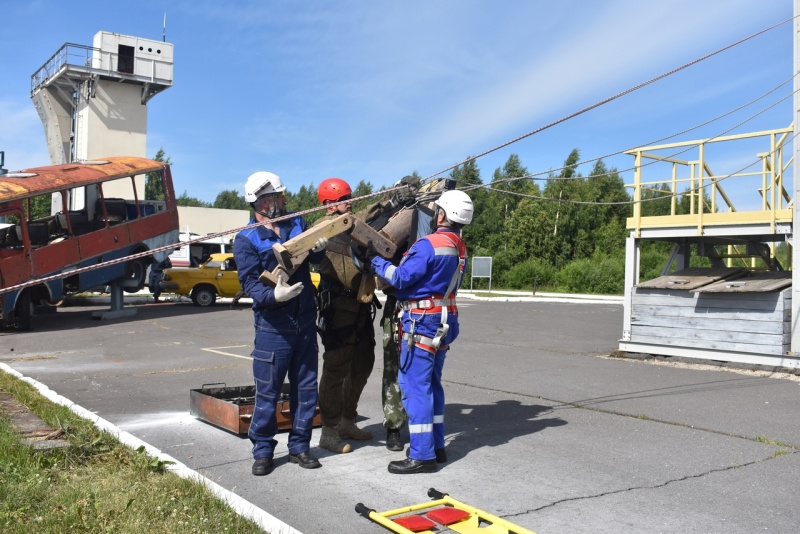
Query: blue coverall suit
x,y
285,341
434,264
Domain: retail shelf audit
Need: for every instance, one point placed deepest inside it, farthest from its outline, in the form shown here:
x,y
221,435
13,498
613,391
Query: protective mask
x,y
275,211
275,208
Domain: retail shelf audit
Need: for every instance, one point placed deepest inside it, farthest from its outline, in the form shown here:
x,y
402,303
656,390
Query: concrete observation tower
x,y
92,100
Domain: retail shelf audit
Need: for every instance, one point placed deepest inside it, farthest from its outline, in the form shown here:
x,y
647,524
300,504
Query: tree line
x,y
563,232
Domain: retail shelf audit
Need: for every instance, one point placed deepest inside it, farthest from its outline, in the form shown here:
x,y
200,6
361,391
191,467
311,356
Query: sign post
x,y
481,268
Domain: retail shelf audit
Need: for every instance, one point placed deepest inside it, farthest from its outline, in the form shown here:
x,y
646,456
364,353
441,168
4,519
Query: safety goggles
x,y
270,196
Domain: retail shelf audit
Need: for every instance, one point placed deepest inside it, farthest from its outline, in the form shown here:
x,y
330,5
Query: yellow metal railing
x,y
709,202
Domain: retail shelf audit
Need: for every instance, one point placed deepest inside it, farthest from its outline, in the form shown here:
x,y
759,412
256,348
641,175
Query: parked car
x,y
217,277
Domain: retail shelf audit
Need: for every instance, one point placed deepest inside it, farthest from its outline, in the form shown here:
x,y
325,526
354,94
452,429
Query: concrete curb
x,y
526,296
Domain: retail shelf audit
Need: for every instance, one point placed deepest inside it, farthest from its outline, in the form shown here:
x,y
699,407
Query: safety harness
x,y
444,244
333,338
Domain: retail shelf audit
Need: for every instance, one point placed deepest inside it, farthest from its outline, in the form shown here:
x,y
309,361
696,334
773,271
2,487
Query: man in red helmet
x,y
346,327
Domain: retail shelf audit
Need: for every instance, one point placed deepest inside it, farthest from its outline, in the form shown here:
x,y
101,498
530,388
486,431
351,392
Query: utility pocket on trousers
x,y
265,356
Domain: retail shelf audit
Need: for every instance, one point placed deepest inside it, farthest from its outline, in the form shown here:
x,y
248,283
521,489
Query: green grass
x,y
764,439
96,484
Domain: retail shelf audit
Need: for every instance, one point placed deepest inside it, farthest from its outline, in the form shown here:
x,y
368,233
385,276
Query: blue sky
x,y
376,90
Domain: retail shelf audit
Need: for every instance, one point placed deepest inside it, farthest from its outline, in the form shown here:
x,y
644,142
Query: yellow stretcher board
x,y
443,514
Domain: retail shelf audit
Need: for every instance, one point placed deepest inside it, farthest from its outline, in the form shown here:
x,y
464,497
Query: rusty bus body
x,y
96,216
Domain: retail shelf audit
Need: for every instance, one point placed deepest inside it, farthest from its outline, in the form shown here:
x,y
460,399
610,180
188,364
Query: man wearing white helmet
x,y
285,324
425,282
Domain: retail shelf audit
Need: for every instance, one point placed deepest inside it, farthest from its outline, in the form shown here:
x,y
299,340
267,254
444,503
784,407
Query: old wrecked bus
x,y
60,218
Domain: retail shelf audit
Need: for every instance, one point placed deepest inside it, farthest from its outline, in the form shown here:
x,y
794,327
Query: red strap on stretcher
x,y
447,515
415,523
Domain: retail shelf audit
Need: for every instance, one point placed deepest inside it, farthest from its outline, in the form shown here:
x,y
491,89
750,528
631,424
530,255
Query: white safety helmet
x,y
262,183
457,206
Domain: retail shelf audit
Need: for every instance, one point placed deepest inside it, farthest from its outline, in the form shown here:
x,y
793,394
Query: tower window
x,y
125,59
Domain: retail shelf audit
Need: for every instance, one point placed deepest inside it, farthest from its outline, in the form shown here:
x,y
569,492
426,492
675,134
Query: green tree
x,y
305,198
466,175
40,206
230,200
605,213
153,188
186,200
468,178
363,188
494,208
656,201
545,228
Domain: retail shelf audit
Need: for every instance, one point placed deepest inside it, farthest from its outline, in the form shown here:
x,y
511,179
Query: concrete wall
x,y
210,220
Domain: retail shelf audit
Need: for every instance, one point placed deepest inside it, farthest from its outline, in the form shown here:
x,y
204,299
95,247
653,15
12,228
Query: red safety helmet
x,y
333,189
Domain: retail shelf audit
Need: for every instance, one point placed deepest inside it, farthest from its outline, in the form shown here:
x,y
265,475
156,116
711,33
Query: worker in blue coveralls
x,y
425,282
285,325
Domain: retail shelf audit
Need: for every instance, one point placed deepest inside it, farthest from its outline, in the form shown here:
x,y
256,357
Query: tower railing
x,y
750,189
73,55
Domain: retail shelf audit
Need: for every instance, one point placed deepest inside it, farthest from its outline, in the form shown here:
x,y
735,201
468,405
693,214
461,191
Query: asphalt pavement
x,y
544,429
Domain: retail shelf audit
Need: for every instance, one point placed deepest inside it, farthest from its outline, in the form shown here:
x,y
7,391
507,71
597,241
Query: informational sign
x,y
481,268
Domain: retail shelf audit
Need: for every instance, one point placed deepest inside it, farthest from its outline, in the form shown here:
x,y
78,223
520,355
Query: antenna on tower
x,y
164,36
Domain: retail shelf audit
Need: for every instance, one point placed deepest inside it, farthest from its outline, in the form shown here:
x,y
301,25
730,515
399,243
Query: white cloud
x,y
620,47
22,136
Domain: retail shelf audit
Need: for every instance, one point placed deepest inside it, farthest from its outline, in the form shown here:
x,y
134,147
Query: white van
x,y
192,255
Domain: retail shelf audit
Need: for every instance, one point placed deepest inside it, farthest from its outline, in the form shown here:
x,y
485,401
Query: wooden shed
x,y
722,312
738,307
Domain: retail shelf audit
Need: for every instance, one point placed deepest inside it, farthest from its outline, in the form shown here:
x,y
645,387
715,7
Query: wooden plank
x,y
739,348
692,278
695,294
718,324
364,234
760,282
713,301
340,244
681,335
366,289
717,306
271,278
288,253
679,312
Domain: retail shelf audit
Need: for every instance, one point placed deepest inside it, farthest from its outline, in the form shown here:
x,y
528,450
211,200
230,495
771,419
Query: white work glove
x,y
321,243
284,292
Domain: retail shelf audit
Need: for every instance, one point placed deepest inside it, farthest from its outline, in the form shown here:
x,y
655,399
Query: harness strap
x,y
435,309
336,289
432,304
441,332
425,343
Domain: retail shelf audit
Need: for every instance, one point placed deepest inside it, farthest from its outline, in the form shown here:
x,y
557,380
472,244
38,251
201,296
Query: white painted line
x,y
216,350
241,506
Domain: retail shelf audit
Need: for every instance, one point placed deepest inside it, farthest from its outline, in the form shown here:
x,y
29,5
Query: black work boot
x,y
262,466
393,440
409,466
304,460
